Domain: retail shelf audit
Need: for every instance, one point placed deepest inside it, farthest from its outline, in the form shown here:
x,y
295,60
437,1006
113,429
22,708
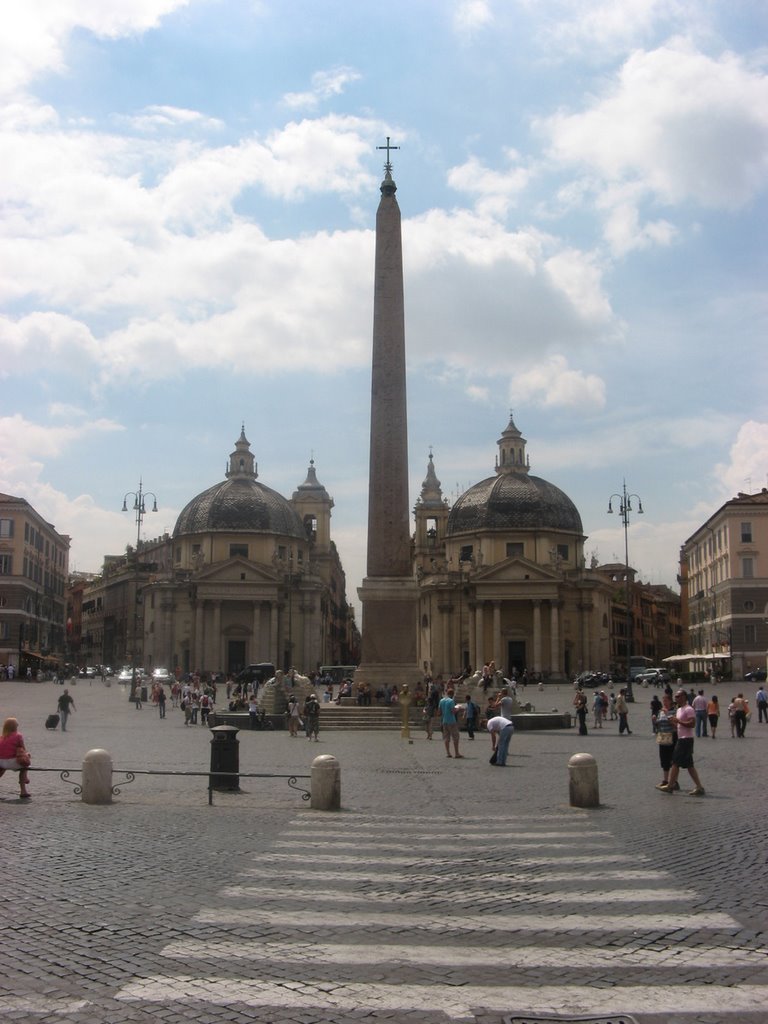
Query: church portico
x,y
506,561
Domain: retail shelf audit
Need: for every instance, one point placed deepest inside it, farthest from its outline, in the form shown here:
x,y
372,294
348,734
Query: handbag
x,y
23,759
665,739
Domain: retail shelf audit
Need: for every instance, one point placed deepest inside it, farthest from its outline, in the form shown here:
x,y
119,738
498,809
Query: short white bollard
x,y
583,787
325,787
97,777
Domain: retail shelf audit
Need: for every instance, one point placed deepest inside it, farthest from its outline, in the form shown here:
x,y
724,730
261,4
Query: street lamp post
x,y
625,507
140,510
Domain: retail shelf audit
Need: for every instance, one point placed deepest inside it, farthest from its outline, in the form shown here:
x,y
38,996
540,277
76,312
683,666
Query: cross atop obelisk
x,y
388,164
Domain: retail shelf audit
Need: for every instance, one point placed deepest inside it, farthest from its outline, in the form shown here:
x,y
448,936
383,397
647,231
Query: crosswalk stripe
x,y
456,1002
468,956
444,923
566,858
510,898
270,870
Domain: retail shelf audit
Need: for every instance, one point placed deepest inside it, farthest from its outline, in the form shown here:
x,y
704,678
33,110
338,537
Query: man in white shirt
x,y
501,730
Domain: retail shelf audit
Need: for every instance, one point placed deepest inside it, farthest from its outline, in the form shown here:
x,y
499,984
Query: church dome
x,y
513,499
514,502
240,504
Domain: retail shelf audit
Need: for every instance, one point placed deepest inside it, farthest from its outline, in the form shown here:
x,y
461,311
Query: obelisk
x,y
389,593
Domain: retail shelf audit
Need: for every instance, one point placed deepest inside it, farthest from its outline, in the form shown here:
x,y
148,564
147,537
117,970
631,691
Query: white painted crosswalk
x,y
404,915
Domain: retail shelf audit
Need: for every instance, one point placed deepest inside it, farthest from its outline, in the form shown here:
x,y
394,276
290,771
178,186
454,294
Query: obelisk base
x,y
390,609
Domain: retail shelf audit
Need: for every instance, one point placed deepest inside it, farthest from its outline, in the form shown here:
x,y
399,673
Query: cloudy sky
x,y
189,189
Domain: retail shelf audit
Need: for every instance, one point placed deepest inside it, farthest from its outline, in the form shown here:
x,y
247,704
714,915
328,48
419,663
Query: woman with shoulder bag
x,y
666,736
14,756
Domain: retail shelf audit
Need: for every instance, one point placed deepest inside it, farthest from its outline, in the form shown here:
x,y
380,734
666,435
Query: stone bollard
x,y
325,786
583,787
97,777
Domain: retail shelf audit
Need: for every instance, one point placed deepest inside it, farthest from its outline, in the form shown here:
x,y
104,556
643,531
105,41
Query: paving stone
x,y
453,859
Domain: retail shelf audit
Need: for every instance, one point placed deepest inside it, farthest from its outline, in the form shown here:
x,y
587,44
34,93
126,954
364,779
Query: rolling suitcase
x,y
51,721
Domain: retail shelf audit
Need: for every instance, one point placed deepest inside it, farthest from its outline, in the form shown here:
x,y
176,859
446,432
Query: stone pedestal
x,y
325,784
97,777
583,786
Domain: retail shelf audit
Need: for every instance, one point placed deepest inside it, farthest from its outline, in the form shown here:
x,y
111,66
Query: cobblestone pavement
x,y
443,891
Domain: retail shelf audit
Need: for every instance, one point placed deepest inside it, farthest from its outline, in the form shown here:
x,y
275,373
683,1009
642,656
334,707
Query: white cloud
x,y
747,469
471,15
554,384
474,286
676,126
35,33
600,28
24,439
325,85
160,117
622,443
495,190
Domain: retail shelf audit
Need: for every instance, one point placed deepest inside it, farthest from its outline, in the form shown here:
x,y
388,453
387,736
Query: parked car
x,y
654,676
161,675
125,675
757,675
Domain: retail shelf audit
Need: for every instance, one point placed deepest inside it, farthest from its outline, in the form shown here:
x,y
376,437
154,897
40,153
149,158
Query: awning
x,y
674,658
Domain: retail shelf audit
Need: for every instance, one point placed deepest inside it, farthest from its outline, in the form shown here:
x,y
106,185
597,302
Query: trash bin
x,y
144,695
225,757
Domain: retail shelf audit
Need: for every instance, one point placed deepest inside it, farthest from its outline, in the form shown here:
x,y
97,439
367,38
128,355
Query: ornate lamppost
x,y
140,509
625,507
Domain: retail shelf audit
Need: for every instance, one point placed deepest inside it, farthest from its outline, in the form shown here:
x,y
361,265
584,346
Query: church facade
x,y
502,576
247,576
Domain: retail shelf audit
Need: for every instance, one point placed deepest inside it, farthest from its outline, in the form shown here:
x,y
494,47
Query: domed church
x,y
250,577
502,577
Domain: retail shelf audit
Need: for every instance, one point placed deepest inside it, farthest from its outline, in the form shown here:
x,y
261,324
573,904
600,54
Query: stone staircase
x,y
334,716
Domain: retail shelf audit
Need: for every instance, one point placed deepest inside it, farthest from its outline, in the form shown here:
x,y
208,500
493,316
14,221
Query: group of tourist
x,y
306,716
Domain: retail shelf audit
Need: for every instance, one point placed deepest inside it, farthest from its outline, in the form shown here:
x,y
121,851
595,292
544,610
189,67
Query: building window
x,y
562,552
750,634
749,606
6,565
4,631
238,550
465,554
746,533
515,549
178,554
6,527
747,570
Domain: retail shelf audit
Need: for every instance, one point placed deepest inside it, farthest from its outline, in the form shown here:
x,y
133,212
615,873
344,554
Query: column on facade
x,y
274,652
471,635
255,655
307,608
498,654
537,636
214,649
480,650
442,658
199,636
554,635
